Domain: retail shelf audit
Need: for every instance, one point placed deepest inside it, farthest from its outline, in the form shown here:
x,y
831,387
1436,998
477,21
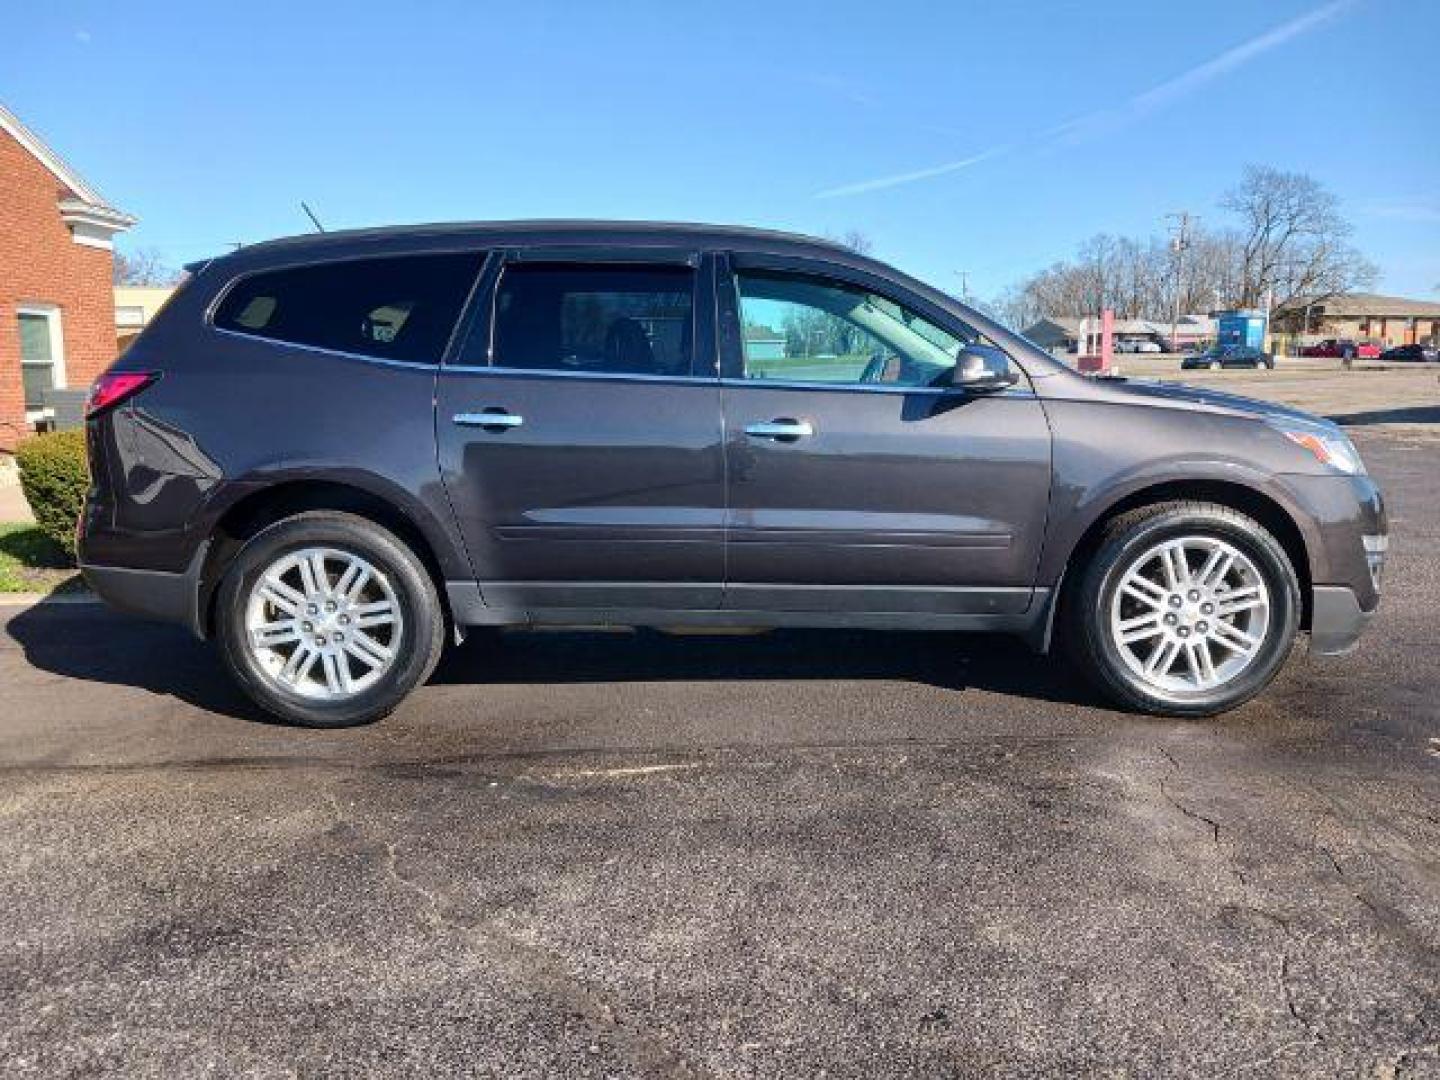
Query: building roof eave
x,y
88,208
93,226
77,210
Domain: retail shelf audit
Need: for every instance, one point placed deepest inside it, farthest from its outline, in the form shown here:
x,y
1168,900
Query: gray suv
x,y
333,453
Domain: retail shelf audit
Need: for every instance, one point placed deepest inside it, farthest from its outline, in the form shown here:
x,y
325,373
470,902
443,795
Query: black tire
x,y
1086,624
421,638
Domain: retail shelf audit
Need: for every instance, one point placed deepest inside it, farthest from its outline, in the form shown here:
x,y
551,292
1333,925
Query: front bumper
x,y
1348,539
1336,620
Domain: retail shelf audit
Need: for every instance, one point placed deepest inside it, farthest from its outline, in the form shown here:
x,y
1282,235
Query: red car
x,y
1342,348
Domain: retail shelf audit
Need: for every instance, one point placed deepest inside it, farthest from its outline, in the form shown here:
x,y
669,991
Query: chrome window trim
x,y
602,376
762,384
421,365
871,388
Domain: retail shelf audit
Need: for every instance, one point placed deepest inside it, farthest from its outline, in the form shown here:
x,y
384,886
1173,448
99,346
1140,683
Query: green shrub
x,y
54,476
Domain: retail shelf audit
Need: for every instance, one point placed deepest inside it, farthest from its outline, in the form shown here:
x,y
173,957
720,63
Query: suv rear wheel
x,y
328,620
1186,609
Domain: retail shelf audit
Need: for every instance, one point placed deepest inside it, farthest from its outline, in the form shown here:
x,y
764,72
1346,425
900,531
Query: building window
x,y
42,353
129,316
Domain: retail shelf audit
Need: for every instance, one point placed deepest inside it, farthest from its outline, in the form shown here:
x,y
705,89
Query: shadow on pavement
x,y
89,643
947,661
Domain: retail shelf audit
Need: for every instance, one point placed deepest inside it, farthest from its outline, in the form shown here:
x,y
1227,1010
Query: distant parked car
x,y
1342,349
1228,356
1424,354
1146,347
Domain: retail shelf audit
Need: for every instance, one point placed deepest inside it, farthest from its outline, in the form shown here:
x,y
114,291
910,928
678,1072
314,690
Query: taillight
x,y
111,389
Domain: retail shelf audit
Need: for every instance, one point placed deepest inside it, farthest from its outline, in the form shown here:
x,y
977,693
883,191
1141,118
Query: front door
x,y
579,434
859,479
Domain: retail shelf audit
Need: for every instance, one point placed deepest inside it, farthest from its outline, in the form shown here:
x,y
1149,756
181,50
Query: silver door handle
x,y
780,429
496,419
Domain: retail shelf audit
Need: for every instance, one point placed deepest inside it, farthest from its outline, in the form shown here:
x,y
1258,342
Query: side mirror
x,y
983,369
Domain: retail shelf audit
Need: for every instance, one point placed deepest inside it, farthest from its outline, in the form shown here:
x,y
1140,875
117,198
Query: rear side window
x,y
394,309
595,318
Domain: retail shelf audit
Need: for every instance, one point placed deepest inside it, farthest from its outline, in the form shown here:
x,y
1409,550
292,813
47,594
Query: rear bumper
x,y
152,594
1336,620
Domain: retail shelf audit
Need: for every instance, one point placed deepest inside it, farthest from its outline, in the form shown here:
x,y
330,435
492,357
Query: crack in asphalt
x,y
1287,989
1210,823
1316,845
542,970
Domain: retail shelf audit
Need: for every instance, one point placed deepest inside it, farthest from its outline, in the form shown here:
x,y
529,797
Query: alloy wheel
x,y
1190,615
323,623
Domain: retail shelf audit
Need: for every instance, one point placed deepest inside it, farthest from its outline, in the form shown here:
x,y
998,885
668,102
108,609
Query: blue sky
x,y
989,138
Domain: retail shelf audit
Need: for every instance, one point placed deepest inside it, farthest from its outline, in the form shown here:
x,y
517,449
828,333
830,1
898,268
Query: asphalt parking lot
x,y
802,853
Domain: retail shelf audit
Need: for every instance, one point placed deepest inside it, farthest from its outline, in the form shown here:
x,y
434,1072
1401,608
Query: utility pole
x,y
1179,243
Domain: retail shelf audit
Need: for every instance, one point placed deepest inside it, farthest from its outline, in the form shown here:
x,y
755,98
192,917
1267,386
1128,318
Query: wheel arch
x,y
1269,511
272,502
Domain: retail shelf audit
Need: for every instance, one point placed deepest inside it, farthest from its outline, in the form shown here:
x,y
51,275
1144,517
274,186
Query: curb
x,y
29,599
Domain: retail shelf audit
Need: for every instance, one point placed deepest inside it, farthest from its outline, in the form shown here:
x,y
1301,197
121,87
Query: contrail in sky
x,y
909,177
1105,121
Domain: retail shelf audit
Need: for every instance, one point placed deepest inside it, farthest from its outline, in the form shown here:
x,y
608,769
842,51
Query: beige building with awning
x,y
1392,320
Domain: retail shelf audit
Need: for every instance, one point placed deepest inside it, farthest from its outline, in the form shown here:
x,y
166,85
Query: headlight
x,y
1329,444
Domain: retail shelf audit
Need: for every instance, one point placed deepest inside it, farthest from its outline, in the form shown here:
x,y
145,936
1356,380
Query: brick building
x,y
1389,320
57,307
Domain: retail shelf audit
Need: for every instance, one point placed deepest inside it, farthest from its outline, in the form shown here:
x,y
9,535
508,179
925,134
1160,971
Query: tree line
x,y
1283,239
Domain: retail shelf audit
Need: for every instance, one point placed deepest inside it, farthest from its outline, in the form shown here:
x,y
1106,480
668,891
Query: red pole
x,y
1107,338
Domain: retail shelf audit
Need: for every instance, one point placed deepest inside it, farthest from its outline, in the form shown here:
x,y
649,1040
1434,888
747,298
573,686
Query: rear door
x,y
579,432
859,480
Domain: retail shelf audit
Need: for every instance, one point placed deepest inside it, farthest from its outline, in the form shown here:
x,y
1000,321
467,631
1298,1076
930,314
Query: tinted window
x,y
397,309
623,319
808,329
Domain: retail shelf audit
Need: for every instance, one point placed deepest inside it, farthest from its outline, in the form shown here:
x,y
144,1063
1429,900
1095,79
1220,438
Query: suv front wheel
x,y
1186,609
326,619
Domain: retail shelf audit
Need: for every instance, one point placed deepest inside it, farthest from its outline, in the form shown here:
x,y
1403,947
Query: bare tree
x,y
143,266
1018,308
1294,241
1289,237
855,240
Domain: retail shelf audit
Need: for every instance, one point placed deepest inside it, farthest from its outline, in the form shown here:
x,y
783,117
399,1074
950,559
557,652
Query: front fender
x,y
1106,456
